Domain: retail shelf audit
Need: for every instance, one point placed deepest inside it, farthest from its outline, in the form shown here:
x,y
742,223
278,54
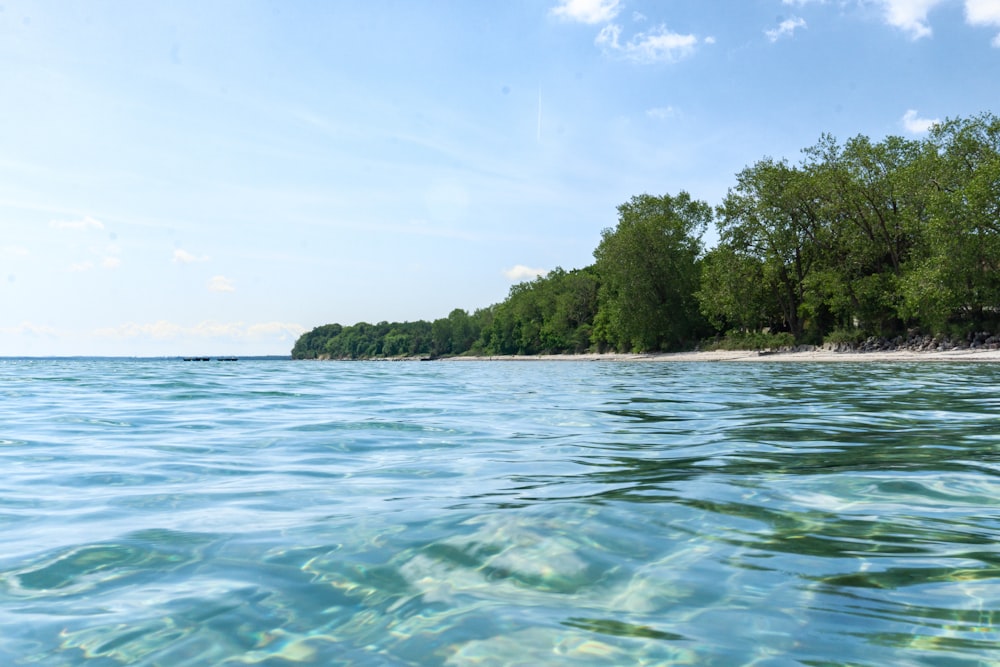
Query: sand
x,y
818,355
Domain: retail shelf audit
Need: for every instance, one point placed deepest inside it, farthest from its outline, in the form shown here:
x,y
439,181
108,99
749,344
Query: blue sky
x,y
217,177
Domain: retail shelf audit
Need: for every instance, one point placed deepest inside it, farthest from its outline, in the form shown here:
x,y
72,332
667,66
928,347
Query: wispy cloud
x,y
81,224
112,257
281,330
587,11
31,329
184,257
157,330
520,272
221,284
916,125
14,251
658,45
662,113
164,330
786,28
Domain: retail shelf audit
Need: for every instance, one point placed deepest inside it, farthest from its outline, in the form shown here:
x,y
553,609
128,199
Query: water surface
x,y
563,513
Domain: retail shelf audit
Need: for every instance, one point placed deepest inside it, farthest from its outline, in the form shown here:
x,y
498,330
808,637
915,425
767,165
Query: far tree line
x,y
859,239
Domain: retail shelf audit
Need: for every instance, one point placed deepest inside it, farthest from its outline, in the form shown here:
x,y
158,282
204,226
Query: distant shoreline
x,y
753,356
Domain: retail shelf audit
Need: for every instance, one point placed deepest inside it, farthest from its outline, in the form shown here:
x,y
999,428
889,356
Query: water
x,y
567,513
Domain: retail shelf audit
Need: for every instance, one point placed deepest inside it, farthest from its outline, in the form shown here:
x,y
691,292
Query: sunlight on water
x,y
476,514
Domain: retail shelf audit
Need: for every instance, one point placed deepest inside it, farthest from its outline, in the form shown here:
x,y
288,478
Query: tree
x,y
771,217
312,344
871,208
957,275
735,291
568,324
648,268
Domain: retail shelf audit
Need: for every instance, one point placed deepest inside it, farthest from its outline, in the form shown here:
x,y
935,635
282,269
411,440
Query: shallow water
x,y
563,513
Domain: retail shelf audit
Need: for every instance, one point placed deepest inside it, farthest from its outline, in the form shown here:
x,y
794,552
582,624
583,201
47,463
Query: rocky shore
x,y
920,343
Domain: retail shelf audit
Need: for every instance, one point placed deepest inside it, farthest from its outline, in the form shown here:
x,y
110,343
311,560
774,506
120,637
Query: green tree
x,y
312,344
568,323
649,273
957,275
770,217
464,331
736,292
871,208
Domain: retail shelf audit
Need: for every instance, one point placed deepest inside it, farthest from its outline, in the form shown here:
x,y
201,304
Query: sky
x,y
209,178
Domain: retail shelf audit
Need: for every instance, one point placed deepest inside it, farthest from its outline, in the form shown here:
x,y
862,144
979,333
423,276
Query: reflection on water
x,y
279,513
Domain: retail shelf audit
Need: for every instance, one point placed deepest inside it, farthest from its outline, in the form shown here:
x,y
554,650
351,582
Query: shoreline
x,y
754,356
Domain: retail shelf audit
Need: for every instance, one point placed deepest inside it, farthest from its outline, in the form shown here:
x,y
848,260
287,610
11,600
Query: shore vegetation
x,y
859,240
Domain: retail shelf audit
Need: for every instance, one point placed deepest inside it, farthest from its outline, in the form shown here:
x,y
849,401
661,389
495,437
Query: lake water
x,y
476,514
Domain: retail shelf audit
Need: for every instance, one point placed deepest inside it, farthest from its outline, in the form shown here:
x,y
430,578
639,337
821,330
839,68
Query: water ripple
x,y
156,512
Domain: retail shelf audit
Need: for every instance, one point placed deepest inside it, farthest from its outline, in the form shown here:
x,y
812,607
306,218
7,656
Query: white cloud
x,y
910,16
657,45
709,40
587,11
111,259
14,251
158,330
163,330
521,272
82,224
785,29
184,257
221,284
282,330
662,113
31,329
608,37
984,13
915,125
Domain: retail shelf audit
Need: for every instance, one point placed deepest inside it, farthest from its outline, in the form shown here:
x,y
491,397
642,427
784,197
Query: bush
x,y
750,340
845,337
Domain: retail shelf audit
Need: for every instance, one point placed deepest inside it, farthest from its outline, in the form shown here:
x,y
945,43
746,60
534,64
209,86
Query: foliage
x,y
861,238
957,274
750,340
770,218
737,291
365,341
841,336
552,314
649,272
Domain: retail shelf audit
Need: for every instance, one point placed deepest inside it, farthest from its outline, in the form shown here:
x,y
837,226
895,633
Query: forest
x,y
860,239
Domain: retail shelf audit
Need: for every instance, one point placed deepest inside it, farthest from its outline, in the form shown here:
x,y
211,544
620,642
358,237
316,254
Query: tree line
x,y
858,239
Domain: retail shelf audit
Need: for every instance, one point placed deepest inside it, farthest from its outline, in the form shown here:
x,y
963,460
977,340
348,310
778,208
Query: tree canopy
x,y
864,237
649,272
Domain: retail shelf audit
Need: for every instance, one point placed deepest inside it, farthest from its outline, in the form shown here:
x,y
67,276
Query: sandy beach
x,y
817,355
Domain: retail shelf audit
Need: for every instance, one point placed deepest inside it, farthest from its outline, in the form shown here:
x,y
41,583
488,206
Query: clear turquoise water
x,y
568,513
